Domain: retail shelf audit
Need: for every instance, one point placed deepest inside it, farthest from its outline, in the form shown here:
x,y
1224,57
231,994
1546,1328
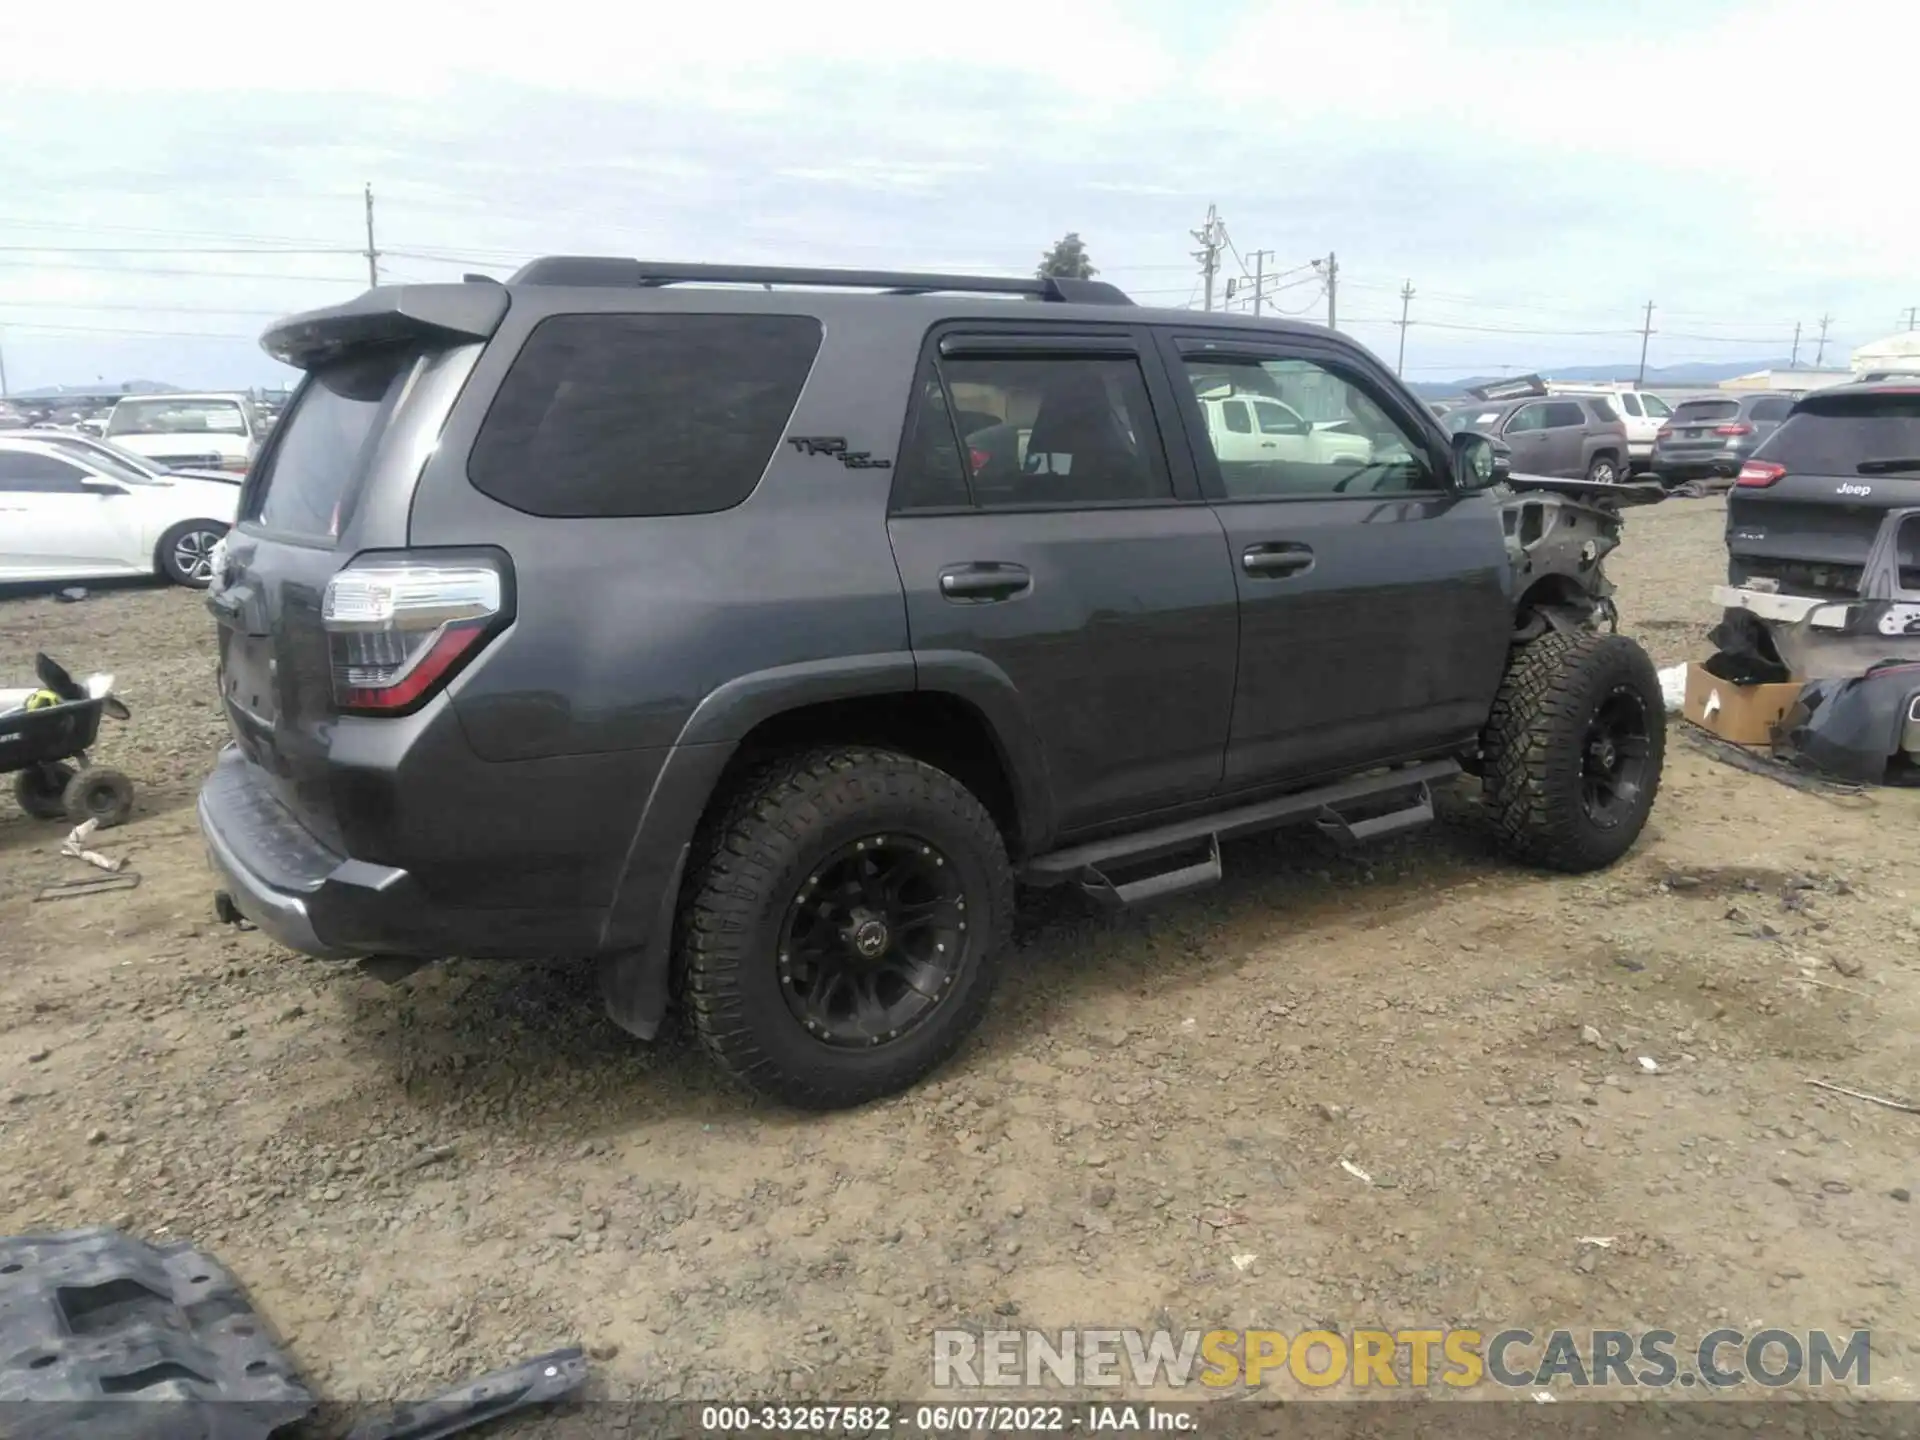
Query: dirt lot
x,y
422,1181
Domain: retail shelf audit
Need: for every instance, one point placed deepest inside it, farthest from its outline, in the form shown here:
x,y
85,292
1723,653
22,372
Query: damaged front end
x,y
1559,534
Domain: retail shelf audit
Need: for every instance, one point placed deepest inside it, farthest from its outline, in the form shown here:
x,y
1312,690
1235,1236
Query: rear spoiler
x,y
389,315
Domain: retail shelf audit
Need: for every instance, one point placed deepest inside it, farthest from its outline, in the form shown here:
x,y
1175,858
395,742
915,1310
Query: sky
x,y
171,180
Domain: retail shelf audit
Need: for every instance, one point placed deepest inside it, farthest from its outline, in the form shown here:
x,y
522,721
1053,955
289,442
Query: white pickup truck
x,y
1251,428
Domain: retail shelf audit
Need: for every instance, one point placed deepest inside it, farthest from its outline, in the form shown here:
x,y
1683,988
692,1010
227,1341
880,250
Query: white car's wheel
x,y
186,551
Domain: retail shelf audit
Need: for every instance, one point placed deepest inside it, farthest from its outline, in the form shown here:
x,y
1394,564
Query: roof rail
x,y
589,270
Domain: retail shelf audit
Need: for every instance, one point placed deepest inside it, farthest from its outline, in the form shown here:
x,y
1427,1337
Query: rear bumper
x,y
1695,467
288,883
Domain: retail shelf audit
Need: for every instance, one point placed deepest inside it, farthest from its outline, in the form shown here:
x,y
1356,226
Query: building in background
x,y
1792,382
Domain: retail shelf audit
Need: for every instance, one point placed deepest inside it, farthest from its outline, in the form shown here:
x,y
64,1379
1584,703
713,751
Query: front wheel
x,y
185,552
1572,752
841,934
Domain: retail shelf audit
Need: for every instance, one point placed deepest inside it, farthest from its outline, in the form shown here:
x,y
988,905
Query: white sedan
x,y
69,512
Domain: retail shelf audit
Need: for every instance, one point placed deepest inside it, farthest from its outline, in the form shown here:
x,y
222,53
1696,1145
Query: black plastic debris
x,y
1744,651
533,1382
106,1337
1852,728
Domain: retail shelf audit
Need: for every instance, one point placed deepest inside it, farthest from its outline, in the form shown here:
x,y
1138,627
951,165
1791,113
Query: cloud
x,y
1529,167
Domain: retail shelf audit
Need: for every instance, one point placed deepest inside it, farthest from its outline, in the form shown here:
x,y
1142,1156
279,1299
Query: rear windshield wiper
x,y
1891,466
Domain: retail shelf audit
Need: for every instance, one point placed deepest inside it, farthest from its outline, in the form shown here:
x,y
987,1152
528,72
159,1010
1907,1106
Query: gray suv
x,y
1574,436
751,639
1709,438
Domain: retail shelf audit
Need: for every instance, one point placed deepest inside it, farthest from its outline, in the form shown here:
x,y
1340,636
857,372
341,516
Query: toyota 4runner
x,y
752,631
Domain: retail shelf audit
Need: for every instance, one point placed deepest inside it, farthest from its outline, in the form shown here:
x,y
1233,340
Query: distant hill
x,y
1658,377
125,387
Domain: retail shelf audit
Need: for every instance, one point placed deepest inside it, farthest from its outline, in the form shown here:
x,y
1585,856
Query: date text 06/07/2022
x,y
945,1419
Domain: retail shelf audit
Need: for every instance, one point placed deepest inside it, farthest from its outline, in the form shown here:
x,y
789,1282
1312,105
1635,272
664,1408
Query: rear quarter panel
x,y
624,625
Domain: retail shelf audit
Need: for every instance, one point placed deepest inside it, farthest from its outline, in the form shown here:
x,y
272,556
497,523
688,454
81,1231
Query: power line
x,y
1210,235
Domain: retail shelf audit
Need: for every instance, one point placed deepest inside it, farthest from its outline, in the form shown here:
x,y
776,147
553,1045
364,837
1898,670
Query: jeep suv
x,y
754,642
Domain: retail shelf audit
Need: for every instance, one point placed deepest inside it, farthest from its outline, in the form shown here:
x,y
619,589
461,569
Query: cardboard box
x,y
1744,714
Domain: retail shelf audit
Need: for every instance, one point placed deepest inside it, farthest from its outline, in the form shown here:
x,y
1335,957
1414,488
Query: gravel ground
x,y
423,1181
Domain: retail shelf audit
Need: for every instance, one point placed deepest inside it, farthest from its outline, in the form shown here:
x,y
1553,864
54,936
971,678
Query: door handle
x,y
1271,562
985,580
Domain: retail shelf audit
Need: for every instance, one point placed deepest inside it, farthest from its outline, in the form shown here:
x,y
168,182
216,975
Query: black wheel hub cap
x,y
1614,759
872,942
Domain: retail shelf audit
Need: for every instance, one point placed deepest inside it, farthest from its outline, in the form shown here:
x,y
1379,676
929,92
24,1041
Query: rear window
x,y
177,417
1698,412
628,415
1837,437
322,446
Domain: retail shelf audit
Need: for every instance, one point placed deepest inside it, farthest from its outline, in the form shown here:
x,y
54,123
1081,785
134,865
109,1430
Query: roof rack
x,y
612,270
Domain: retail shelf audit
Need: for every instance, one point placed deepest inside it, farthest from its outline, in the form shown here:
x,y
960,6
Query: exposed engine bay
x,y
1559,534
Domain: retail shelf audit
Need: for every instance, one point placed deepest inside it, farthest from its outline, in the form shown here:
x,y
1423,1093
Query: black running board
x,y
1087,865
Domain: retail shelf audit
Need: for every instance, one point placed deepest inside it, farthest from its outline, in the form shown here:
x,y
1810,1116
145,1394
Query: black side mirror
x,y
1479,462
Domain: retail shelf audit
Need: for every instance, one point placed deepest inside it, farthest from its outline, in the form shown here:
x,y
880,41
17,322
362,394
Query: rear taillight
x,y
978,459
1738,428
398,630
1758,474
1664,432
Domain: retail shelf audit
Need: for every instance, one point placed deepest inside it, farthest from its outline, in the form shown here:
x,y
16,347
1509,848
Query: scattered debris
x,y
432,1155
1220,1219
1604,1242
74,847
1589,1035
1740,758
160,1323
1650,1065
74,889
1329,1111
1900,1105
1850,966
1901,1193
1673,688
1355,1171
465,1407
1244,1262
69,595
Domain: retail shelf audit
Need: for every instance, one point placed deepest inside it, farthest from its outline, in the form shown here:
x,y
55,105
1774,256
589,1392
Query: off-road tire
x,y
748,869
98,794
1535,743
175,562
41,789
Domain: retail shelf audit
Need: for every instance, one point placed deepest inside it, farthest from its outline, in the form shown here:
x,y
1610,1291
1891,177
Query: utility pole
x,y
3,373
1333,290
1406,299
1821,354
373,255
1911,310
1646,333
1209,252
1259,277
1794,363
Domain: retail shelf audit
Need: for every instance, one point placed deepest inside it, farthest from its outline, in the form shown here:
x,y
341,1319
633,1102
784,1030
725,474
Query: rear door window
x,y
1564,414
322,447
1838,438
629,415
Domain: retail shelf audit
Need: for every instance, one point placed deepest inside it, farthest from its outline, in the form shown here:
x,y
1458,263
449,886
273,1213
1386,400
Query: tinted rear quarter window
x,y
1774,408
1562,414
1834,438
322,447
1604,409
630,415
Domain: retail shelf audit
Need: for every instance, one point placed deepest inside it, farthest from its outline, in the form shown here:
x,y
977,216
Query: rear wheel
x,y
185,552
41,790
1604,470
840,937
101,795
1572,753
